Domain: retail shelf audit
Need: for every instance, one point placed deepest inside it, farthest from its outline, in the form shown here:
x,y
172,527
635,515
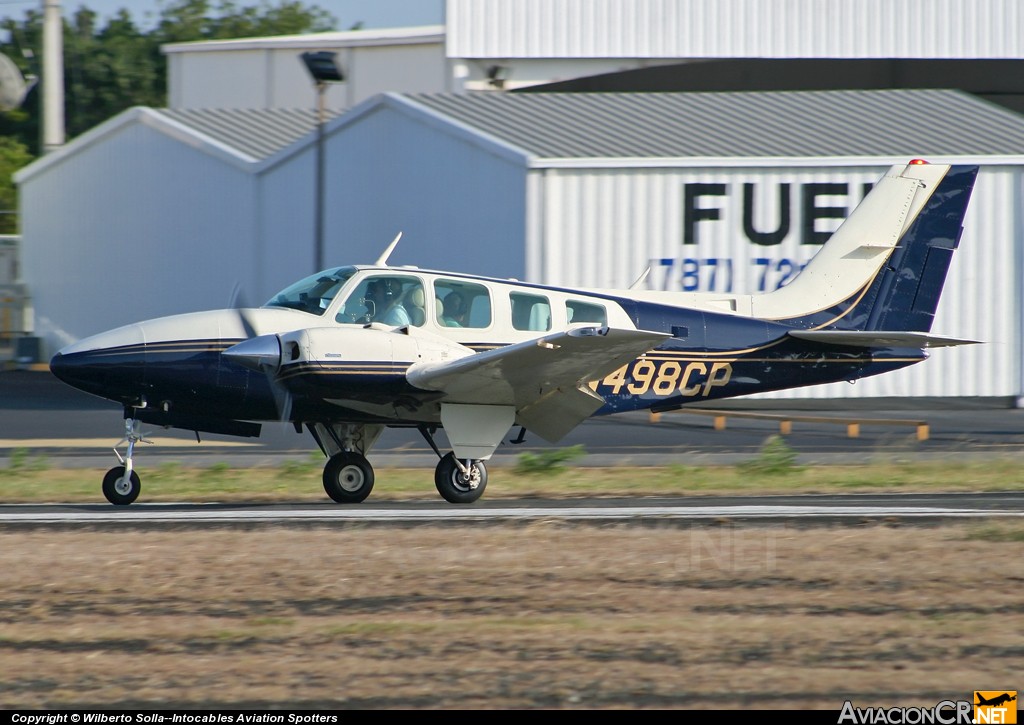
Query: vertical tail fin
x,y
885,266
906,292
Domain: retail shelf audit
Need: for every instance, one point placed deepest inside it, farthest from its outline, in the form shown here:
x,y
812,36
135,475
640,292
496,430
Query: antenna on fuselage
x,y
382,261
640,280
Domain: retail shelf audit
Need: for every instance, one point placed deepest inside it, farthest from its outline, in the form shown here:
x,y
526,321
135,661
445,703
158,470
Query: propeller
x,y
258,352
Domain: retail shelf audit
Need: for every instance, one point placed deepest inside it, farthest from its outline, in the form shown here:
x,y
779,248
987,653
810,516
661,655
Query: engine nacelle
x,y
371,344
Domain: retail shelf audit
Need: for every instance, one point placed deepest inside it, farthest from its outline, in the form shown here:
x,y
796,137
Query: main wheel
x,y
348,477
119,490
454,485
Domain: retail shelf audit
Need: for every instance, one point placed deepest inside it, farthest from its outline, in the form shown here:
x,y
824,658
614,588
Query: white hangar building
x,y
516,44
164,211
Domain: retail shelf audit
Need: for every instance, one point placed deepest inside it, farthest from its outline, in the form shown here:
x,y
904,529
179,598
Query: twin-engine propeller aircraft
x,y
352,350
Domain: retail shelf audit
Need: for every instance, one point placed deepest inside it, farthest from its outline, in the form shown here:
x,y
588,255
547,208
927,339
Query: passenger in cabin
x,y
454,310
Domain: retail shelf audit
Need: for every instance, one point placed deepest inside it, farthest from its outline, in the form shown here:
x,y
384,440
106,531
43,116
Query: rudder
x,y
906,292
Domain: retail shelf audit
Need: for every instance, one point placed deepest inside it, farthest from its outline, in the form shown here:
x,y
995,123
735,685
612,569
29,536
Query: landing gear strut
x,y
121,485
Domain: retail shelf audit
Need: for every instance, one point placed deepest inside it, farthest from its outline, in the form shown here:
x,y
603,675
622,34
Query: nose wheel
x,y
121,485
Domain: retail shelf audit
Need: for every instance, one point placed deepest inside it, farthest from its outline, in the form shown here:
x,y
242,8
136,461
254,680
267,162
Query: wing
x,y
878,338
545,379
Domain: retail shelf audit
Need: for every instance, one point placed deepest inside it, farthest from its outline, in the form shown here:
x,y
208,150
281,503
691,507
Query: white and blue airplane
x,y
353,350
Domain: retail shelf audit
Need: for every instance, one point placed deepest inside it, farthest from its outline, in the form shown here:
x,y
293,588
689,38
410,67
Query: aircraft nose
x,y
115,373
91,373
59,367
74,370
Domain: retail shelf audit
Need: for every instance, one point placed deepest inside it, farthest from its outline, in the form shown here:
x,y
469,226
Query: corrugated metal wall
x,y
601,228
274,77
735,28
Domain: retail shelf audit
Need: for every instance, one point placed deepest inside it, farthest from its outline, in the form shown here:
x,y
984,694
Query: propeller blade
x,y
237,295
259,352
282,398
241,307
263,353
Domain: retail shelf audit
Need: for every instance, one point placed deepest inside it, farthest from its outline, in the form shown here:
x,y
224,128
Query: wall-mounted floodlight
x,y
323,66
497,75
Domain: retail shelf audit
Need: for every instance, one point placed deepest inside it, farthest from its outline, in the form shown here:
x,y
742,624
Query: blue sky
x,y
372,13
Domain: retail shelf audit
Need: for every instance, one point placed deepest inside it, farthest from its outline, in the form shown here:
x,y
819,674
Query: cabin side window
x,y
576,311
389,299
530,312
462,304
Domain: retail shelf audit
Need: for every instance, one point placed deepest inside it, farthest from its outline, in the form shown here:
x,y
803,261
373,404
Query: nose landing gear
x,y
121,485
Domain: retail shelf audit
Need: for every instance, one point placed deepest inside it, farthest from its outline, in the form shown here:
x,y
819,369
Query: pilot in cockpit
x,y
384,304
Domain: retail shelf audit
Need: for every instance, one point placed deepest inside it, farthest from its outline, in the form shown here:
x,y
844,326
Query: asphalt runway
x,y
718,510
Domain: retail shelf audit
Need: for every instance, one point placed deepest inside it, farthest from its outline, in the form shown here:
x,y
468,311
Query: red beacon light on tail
x,y
917,162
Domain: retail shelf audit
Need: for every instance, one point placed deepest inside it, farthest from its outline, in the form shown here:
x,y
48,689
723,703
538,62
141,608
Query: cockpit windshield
x,y
314,293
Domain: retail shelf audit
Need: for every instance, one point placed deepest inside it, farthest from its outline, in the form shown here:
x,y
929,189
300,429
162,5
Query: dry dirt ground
x,y
540,616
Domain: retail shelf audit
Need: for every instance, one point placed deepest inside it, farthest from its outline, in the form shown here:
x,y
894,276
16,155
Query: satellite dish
x,y
13,86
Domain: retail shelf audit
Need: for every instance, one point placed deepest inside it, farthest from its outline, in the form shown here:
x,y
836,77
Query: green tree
x,y
114,67
186,20
13,156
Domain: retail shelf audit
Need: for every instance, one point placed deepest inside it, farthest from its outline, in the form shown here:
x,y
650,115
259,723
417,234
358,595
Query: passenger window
x,y
462,304
530,312
576,311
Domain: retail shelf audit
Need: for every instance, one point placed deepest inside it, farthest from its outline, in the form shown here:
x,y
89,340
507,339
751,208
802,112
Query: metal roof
x,y
736,124
642,127
257,133
335,39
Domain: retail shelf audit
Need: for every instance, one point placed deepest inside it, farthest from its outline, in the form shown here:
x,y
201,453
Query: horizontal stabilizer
x,y
878,338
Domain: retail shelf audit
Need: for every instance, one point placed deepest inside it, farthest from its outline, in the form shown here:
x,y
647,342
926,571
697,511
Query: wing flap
x,y
555,414
879,338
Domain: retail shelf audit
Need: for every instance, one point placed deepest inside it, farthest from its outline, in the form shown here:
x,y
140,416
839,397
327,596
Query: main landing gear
x,y
457,481
460,481
348,476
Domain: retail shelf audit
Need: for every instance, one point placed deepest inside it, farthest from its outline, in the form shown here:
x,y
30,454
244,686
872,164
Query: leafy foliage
x,y
548,462
118,66
13,156
775,456
22,461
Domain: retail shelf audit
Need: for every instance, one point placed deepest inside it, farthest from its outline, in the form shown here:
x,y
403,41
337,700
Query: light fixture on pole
x,y
324,69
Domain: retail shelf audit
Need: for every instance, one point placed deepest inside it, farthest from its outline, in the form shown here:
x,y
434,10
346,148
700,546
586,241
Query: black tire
x,y
119,491
348,477
454,486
